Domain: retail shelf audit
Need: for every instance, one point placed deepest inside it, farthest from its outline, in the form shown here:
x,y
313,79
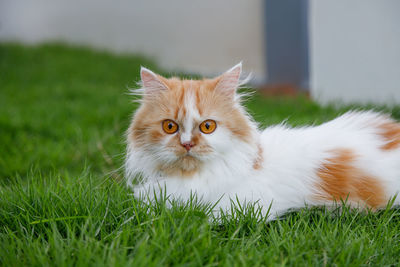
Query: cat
x,y
195,137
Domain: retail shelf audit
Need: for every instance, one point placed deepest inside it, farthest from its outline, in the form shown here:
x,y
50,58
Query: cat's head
x,y
182,125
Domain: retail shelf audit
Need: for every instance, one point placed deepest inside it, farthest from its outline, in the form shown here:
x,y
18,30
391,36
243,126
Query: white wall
x,y
204,36
355,50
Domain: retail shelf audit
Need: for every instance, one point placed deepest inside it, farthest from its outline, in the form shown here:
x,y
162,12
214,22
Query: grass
x,y
63,113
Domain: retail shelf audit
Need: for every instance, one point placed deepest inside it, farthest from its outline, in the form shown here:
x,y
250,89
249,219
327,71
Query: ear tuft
x,y
230,80
151,81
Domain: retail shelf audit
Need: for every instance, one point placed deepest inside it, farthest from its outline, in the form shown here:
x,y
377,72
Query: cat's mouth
x,y
195,153
185,165
189,155
184,153
198,156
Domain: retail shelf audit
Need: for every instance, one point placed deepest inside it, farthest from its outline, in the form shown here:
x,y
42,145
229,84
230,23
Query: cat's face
x,y
183,124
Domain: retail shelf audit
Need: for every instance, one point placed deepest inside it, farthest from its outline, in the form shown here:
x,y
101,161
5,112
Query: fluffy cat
x,y
194,136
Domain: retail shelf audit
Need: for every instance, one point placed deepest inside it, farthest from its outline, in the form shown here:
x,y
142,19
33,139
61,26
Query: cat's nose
x,y
188,145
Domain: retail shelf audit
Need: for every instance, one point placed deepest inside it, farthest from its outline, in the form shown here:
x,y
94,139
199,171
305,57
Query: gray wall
x,y
199,36
355,50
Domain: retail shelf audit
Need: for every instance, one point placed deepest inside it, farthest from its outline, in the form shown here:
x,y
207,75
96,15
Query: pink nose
x,y
188,145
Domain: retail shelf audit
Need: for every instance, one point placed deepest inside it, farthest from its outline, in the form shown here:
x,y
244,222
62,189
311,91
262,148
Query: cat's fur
x,y
355,157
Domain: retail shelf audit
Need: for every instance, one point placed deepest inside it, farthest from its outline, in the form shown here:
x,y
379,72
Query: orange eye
x,y
170,126
208,126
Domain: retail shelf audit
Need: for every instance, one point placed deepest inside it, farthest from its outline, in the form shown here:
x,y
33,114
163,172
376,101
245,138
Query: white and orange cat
x,y
194,137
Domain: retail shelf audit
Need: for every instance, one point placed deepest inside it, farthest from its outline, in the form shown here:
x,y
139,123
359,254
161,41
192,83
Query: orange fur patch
x,y
259,160
390,132
340,180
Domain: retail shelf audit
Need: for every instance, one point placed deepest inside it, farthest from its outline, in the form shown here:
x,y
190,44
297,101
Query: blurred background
x,y
332,50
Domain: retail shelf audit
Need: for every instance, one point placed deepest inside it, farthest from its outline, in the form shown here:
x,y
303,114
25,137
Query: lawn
x,y
63,201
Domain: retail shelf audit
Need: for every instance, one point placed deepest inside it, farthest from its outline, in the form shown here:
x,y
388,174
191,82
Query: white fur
x,y
288,175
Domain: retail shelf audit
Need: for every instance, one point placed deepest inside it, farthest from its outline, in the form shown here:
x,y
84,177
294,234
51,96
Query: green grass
x,y
63,113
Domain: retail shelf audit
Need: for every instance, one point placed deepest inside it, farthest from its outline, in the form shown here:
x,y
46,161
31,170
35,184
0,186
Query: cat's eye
x,y
208,126
169,126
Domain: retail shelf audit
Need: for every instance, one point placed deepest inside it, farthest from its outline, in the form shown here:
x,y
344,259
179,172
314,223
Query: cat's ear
x,y
151,82
229,81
